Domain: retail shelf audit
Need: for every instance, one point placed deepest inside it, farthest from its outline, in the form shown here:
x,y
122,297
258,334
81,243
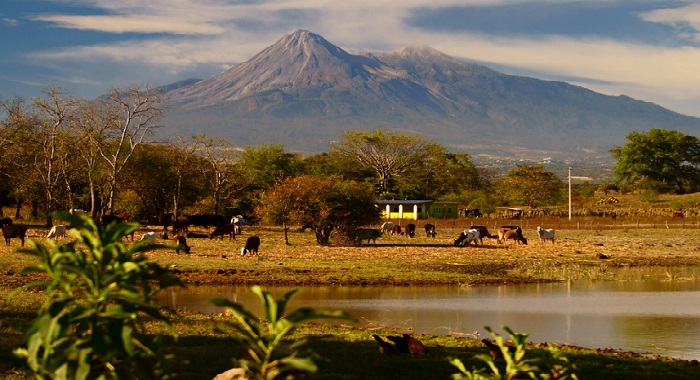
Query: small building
x,y
418,209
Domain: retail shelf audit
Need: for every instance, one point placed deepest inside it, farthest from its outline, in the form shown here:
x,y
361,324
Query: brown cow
x,y
224,229
14,231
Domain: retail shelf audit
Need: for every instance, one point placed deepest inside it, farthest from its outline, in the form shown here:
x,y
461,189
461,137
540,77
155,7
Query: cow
x,y
5,222
57,232
410,230
251,245
116,218
515,234
182,244
180,226
483,233
367,233
150,237
468,236
397,230
236,222
545,234
14,231
430,230
387,227
78,212
224,229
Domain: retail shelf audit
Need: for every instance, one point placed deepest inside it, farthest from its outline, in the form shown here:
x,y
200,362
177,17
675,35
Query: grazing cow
x,y
150,237
483,233
367,233
545,234
224,229
5,222
388,227
515,234
57,232
251,245
397,230
468,236
14,231
410,230
180,226
182,244
430,230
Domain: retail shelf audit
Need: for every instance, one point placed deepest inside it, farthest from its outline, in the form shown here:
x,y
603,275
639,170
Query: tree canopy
x,y
388,154
531,185
661,160
322,204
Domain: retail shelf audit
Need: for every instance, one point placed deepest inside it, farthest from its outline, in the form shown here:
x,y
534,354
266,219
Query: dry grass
x,y
398,260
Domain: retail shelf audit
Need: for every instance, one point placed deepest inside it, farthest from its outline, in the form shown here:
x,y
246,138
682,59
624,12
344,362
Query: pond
x,y
647,315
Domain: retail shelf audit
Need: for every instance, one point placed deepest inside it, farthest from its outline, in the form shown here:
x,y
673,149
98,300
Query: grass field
x,y
394,260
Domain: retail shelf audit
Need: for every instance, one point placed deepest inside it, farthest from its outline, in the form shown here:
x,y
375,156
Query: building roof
x,y
402,202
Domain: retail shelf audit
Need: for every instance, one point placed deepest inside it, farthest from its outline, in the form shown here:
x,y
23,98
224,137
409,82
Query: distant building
x,y
418,209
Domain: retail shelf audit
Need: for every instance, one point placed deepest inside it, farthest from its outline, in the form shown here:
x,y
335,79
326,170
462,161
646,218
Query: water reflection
x,y
650,316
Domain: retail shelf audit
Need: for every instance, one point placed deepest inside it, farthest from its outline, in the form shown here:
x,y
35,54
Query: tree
x,y
265,165
661,160
531,185
131,114
221,168
388,154
52,142
322,204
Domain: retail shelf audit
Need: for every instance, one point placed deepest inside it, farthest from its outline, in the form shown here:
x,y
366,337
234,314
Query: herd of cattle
x,y
475,234
180,229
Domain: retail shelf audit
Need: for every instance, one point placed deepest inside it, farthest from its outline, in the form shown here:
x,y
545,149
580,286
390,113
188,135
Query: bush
x,y
267,357
551,364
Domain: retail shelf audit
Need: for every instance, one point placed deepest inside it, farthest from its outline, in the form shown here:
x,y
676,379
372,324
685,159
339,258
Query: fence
x,y
560,223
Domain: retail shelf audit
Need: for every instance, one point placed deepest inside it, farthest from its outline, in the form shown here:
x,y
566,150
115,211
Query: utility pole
x,y
570,178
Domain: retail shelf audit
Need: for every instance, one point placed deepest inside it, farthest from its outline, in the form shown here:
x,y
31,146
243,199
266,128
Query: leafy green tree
x,y
661,160
265,165
388,154
322,204
531,185
442,173
99,291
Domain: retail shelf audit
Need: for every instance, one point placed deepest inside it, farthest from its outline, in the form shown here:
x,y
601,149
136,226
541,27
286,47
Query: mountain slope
x,y
304,92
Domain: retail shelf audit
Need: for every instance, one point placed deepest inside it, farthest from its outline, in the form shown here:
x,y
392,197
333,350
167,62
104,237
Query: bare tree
x,y
183,164
130,115
89,127
55,109
221,159
388,154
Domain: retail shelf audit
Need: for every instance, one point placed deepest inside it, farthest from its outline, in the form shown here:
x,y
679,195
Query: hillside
x,y
303,91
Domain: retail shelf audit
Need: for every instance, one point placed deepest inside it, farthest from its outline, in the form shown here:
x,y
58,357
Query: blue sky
x,y
649,50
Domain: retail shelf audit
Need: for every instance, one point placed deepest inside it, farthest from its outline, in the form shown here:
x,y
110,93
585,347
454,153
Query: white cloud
x,y
207,32
686,16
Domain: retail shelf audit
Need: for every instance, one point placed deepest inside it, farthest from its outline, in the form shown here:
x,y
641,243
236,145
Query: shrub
x,y
267,357
551,364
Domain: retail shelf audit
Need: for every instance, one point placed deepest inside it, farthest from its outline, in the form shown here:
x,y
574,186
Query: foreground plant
x,y
267,357
99,290
551,364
